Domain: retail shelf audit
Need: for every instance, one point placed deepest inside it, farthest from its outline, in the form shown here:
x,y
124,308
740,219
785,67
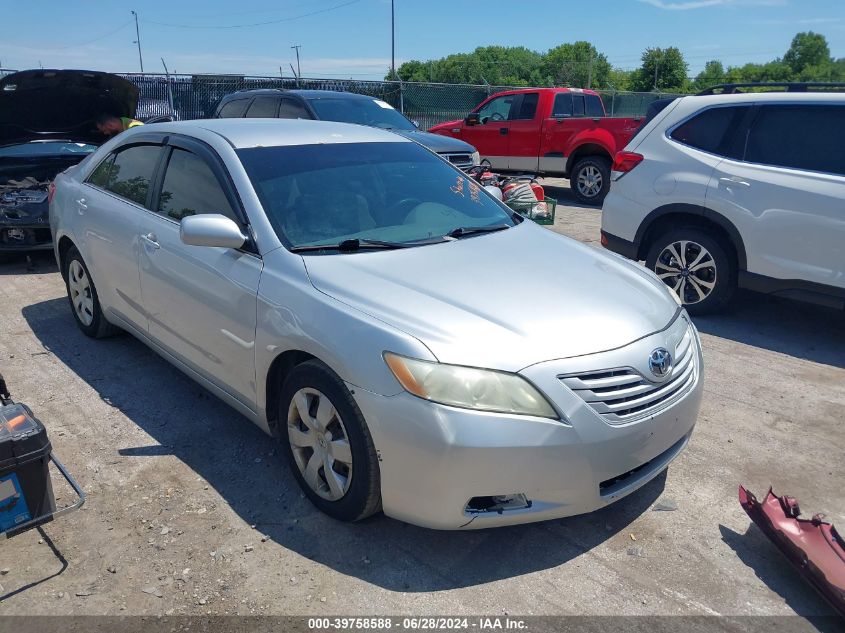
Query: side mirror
x,y
210,229
472,119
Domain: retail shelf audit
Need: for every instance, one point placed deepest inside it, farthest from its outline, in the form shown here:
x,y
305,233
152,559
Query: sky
x,y
351,38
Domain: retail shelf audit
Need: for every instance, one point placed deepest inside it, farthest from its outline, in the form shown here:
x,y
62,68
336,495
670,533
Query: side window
x,y
292,109
497,110
711,130
190,187
132,171
594,106
234,109
101,176
563,105
528,106
808,137
263,107
578,105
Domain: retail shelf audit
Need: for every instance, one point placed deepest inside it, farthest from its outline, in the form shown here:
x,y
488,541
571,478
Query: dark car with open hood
x,y
47,124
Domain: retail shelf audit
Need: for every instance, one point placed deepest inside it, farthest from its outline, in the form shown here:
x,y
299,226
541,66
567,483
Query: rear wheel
x,y
696,266
328,445
590,179
82,295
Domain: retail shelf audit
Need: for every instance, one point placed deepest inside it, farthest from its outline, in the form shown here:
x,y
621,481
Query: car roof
x,y
765,97
245,133
305,94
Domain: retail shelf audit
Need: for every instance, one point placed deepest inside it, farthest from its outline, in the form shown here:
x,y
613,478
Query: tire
x,y
82,295
345,482
590,180
708,262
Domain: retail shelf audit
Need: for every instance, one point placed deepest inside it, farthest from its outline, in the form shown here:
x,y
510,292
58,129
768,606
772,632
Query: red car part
x,y
813,546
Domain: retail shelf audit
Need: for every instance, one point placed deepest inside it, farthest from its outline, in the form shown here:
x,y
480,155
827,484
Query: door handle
x,y
735,181
81,206
503,131
150,239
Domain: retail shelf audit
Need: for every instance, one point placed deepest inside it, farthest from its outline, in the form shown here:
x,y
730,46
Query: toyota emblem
x,y
660,362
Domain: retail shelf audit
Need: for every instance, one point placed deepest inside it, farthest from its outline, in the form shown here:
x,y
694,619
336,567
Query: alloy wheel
x,y
590,181
80,292
688,269
319,443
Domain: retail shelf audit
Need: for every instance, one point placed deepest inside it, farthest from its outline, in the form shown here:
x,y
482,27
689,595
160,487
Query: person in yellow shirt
x,y
111,125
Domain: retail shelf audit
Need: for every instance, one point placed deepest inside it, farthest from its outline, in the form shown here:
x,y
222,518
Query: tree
x,y
578,64
662,69
619,79
713,73
808,50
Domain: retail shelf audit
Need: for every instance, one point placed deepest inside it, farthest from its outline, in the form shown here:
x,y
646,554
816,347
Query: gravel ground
x,y
192,511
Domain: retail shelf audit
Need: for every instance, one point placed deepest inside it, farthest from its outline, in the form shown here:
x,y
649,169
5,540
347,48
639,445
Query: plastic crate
x,y
534,210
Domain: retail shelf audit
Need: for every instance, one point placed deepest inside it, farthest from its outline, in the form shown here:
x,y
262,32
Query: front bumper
x,y
16,237
434,458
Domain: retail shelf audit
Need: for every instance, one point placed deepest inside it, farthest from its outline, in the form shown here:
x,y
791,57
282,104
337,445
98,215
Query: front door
x,y
490,135
201,300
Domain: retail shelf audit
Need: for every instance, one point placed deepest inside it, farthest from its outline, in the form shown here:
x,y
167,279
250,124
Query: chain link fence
x,y
197,96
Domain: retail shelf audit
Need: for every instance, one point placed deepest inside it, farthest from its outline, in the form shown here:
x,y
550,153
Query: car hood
x,y
446,126
436,142
502,300
64,104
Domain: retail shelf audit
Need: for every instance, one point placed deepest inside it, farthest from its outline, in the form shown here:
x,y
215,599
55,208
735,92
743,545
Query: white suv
x,y
736,189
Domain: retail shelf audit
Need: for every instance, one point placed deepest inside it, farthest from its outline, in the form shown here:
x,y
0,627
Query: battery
x,y
26,492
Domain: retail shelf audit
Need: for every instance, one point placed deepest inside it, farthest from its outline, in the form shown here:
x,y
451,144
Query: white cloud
x,y
684,5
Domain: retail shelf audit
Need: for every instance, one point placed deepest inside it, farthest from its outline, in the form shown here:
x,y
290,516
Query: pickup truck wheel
x,y
327,443
83,299
696,266
590,179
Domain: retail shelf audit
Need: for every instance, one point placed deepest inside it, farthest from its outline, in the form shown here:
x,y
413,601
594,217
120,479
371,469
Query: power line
x,y
243,26
96,39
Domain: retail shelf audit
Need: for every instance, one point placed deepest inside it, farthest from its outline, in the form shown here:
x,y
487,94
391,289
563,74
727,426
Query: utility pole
x,y
590,71
656,67
138,41
298,71
392,41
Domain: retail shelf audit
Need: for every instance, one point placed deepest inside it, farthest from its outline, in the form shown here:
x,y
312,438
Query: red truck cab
x,y
549,132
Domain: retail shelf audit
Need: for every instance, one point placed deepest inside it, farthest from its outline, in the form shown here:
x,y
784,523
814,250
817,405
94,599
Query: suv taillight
x,y
51,191
626,161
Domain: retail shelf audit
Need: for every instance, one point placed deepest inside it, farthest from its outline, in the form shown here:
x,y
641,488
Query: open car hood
x,y
61,104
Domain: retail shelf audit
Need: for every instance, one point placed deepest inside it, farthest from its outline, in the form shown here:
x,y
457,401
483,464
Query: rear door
x,y
558,130
524,134
201,300
490,136
784,188
113,202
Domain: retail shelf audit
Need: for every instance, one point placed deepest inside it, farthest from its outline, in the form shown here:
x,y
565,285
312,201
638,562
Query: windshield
x,y
46,148
397,192
371,112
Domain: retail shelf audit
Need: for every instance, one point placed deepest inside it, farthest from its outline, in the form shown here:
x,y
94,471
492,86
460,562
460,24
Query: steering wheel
x,y
497,116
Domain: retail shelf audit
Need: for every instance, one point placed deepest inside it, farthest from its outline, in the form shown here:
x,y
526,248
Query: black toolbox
x,y
26,491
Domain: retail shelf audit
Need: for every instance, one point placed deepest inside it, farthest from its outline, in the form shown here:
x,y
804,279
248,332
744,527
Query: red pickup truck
x,y
547,131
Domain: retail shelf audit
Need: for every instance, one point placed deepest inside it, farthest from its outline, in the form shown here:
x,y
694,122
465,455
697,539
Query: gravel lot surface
x,y
191,509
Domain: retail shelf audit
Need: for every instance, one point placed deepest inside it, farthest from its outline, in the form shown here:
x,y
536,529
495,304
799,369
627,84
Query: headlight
x,y
476,158
470,388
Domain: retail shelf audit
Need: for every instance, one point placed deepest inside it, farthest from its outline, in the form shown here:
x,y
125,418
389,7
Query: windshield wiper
x,y
461,231
348,246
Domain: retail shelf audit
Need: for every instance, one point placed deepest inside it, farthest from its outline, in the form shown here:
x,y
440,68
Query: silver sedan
x,y
413,344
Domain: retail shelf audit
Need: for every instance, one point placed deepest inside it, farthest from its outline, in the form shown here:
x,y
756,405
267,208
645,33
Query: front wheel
x,y
590,179
328,444
696,266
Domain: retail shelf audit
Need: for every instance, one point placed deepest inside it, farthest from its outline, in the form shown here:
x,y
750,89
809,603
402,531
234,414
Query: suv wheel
x,y
328,444
590,179
82,295
696,266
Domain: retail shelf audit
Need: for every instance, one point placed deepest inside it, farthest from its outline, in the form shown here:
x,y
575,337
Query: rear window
x,y
810,137
711,130
234,109
263,107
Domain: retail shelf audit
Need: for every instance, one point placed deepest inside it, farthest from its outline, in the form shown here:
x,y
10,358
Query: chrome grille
x,y
624,394
462,160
